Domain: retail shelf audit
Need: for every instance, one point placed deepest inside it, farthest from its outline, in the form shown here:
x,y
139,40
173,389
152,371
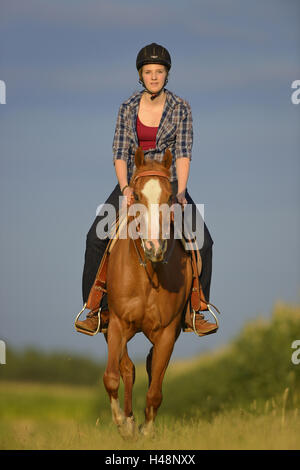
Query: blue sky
x,y
67,66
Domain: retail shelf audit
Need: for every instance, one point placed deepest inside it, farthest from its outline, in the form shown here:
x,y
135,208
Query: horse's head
x,y
152,189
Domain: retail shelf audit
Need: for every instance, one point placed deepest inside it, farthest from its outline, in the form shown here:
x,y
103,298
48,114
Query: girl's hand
x,y
181,198
128,195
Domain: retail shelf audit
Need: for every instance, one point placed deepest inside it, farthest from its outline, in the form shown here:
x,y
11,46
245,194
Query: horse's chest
x,y
161,309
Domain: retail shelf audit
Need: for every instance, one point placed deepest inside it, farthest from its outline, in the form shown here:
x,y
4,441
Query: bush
x,y
37,366
256,366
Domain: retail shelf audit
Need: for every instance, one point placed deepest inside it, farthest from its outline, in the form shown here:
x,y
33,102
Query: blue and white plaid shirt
x,y
175,132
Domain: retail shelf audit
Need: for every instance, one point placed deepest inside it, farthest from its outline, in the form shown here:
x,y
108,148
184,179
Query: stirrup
x,y
86,332
213,314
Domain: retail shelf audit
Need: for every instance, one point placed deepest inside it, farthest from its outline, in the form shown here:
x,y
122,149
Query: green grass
x,y
54,417
243,396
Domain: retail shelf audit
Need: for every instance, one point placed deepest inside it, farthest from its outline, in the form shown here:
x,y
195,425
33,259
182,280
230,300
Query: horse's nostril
x,y
155,252
149,246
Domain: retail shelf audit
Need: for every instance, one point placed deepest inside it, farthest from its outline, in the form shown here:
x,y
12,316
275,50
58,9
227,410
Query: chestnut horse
x,y
145,297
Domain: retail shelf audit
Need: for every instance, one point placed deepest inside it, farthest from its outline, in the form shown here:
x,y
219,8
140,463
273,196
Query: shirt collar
x,y
134,100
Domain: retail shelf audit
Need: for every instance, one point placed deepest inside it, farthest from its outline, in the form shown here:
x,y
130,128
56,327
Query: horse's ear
x,y
139,157
167,160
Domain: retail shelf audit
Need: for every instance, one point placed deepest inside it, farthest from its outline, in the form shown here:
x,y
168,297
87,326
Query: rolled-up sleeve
x,y
121,139
184,134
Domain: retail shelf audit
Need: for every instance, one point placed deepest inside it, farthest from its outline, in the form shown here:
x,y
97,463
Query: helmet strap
x,y
153,95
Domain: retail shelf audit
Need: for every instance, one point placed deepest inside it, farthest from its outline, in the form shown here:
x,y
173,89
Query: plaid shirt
x,y
175,132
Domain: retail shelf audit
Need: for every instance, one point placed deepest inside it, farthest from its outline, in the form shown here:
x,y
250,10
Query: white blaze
x,y
152,192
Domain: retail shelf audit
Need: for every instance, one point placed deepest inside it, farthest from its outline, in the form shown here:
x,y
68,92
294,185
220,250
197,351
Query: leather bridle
x,y
150,173
162,174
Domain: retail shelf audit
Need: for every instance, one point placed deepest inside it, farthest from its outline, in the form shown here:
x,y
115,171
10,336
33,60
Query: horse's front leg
x,y
157,364
111,378
127,370
118,364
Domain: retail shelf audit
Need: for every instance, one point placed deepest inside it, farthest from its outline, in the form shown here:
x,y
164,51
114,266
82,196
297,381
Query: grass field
x,y
38,416
245,396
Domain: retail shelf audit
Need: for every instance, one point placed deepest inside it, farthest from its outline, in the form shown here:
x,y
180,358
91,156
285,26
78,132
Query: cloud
x,y
215,45
214,74
226,73
230,19
91,13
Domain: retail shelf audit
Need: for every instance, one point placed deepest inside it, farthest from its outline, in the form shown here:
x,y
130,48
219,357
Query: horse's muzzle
x,y
155,252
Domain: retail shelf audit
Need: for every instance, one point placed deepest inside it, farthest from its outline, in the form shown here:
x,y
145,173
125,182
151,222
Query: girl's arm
x,y
183,152
182,169
121,172
120,153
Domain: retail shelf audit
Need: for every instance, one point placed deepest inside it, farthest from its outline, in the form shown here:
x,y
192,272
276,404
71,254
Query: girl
x,y
155,119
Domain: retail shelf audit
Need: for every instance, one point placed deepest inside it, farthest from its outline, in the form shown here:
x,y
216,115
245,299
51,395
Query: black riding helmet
x,y
153,54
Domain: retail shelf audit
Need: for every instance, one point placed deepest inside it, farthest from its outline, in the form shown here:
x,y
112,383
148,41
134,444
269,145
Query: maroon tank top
x,y
146,135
